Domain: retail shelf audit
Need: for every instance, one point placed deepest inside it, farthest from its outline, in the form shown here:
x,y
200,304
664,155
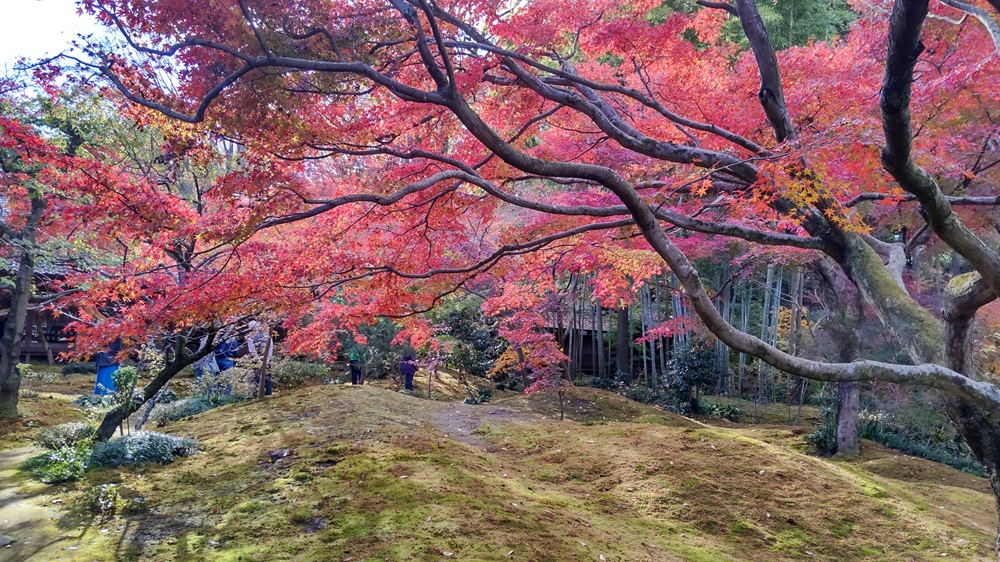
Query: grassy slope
x,y
378,475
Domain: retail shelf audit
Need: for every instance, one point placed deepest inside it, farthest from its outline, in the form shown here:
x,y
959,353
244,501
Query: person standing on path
x,y
408,367
357,377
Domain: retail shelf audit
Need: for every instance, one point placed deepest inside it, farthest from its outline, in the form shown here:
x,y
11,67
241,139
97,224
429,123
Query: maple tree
x,y
22,157
45,178
84,191
395,152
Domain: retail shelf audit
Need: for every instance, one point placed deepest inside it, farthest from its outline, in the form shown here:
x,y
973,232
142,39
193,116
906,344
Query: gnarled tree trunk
x,y
13,333
114,418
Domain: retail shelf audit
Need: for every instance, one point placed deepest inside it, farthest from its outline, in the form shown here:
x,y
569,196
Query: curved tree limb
x,y
904,48
980,14
873,196
771,94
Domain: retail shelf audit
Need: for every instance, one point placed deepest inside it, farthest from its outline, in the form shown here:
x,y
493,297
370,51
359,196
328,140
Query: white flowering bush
x,y
107,500
32,381
67,462
65,434
142,447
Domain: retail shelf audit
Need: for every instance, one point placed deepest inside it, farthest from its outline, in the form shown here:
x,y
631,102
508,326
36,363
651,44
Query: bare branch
x,y
980,14
719,6
253,27
873,196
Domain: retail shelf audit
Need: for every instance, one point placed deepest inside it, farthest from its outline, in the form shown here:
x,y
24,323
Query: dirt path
x,y
28,515
460,421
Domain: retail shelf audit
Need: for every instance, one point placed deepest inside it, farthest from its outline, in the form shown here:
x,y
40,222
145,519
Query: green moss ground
x,y
377,475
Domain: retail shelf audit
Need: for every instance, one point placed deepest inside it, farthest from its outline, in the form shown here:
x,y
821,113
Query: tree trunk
x,y
848,313
725,306
765,335
848,408
745,328
598,341
965,294
13,333
624,371
262,382
643,327
662,342
982,433
149,407
114,418
793,338
520,369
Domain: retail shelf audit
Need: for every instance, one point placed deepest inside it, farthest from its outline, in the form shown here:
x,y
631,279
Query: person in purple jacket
x,y
408,366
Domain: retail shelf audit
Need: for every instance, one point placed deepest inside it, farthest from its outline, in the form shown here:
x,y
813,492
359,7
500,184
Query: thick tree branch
x,y
872,196
719,6
771,94
904,48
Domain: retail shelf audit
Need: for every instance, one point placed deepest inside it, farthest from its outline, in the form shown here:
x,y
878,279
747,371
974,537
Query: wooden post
x,y
41,339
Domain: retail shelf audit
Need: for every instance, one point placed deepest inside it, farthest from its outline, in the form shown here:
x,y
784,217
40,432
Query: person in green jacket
x,y
357,376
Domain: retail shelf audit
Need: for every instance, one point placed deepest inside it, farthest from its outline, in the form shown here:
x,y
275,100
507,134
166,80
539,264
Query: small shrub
x,y
125,381
79,368
66,434
726,411
32,381
141,447
192,406
94,401
480,396
602,383
943,446
107,500
688,370
291,373
66,463
959,456
180,409
824,437
640,394
167,396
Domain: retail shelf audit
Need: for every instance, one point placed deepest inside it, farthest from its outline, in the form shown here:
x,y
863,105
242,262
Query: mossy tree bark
x,y
966,293
847,316
13,333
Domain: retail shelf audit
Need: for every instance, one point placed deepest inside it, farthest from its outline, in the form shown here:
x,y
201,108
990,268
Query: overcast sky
x,y
37,28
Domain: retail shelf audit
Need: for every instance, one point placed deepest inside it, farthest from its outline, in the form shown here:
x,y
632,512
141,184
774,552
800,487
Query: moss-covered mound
x,y
361,473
